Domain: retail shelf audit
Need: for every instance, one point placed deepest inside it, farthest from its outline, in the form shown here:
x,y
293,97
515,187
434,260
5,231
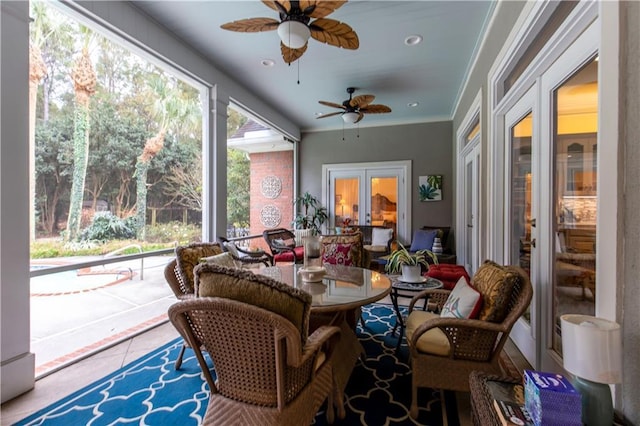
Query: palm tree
x,y
171,107
84,85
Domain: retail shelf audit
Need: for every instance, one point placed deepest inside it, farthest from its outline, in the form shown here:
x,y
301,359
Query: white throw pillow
x,y
380,236
463,302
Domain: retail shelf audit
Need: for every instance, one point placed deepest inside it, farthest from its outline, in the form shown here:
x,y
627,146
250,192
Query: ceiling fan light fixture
x,y
350,117
293,34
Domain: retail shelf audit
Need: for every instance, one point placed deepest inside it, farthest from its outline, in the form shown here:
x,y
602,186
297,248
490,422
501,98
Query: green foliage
x,y
105,226
402,256
80,159
173,232
313,214
238,168
51,248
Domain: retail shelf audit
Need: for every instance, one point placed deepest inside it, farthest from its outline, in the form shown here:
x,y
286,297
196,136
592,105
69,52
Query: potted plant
x,y
312,216
410,264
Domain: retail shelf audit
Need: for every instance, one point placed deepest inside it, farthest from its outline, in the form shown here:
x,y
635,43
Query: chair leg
x,y
413,412
330,409
179,359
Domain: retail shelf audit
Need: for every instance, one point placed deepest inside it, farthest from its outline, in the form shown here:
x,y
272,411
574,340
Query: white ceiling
x,y
430,73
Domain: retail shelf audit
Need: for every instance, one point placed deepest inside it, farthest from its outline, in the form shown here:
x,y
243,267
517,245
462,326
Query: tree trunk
x,y
84,84
151,149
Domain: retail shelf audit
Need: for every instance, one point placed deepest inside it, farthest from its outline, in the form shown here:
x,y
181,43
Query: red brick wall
x,y
279,164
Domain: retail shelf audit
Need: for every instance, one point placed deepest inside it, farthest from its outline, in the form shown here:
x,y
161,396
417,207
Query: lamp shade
x,y
350,117
293,34
592,348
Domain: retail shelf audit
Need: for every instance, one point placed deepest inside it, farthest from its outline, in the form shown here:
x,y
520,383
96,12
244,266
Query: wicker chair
x,y
375,249
282,243
268,372
469,344
245,257
179,273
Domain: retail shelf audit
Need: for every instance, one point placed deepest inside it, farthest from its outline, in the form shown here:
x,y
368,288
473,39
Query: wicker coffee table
x,y
482,411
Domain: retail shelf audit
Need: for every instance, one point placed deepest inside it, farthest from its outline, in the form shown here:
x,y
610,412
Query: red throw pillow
x,y
337,254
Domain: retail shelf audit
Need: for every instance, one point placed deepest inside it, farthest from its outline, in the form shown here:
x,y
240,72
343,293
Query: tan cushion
x,y
376,249
433,341
495,283
258,290
222,259
187,257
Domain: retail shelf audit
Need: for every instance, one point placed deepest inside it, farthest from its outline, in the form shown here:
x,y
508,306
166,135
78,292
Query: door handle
x,y
533,243
533,223
469,226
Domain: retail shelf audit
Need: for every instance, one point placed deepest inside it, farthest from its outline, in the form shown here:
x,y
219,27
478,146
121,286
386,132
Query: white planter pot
x,y
300,234
411,273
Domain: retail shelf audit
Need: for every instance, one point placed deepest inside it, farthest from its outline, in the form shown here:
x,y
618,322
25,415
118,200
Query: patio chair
x,y
282,243
445,350
179,273
247,257
255,330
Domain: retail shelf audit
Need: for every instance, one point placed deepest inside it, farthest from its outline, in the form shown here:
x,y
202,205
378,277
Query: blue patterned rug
x,y
150,391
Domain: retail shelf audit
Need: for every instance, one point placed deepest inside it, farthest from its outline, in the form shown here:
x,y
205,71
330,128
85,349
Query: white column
x,y
18,364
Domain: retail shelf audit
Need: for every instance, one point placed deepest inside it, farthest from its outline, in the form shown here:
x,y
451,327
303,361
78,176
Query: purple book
x,y
551,399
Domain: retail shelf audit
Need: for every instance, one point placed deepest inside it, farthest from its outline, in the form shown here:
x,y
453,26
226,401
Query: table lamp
x,y
592,352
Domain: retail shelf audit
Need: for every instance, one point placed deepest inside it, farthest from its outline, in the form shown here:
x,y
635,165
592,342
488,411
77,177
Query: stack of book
x,y
508,401
551,399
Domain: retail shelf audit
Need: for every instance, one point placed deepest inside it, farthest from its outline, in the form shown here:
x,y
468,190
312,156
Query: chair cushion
x,y
222,259
376,249
381,236
463,302
495,283
447,273
287,256
187,257
433,341
258,290
423,239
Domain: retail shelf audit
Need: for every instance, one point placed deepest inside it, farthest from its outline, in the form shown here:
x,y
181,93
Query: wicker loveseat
x,y
444,351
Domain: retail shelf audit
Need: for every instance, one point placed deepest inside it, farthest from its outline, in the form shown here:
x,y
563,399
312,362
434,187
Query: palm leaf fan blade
x,y
285,4
361,101
291,55
251,25
376,109
331,104
322,8
360,117
330,114
334,33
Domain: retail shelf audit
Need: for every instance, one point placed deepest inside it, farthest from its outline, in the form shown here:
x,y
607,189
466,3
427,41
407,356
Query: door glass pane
x,y
520,245
469,216
384,202
575,206
346,201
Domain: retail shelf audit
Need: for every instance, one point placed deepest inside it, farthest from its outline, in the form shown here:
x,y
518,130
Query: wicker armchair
x,y
243,256
464,345
282,243
179,273
268,371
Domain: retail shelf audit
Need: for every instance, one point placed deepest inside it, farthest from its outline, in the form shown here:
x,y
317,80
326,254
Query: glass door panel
x,y
575,112
383,210
521,171
347,199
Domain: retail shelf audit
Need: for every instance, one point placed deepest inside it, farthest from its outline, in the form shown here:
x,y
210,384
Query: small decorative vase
x,y
437,246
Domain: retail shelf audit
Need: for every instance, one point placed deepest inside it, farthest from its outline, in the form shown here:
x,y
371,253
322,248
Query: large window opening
x,y
116,169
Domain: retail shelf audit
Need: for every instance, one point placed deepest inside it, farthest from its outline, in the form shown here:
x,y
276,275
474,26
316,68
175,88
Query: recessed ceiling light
x,y
267,63
413,104
412,40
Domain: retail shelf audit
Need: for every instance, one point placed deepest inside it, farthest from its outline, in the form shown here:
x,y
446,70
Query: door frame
x,y
466,149
404,188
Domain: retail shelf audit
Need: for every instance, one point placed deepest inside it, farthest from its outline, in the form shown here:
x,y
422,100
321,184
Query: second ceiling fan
x,y
354,108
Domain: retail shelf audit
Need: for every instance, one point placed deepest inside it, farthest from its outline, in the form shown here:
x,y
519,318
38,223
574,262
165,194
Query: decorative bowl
x,y
312,274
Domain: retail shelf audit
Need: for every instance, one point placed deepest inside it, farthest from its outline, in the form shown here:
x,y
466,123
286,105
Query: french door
x,y
551,199
368,194
471,208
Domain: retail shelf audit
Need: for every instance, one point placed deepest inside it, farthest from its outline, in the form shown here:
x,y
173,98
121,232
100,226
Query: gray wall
x,y
427,145
629,292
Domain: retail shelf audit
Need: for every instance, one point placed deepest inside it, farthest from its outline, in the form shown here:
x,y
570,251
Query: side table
x,y
483,412
400,289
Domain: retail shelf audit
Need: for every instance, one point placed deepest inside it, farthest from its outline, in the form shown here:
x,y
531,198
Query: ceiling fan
x,y
355,108
295,26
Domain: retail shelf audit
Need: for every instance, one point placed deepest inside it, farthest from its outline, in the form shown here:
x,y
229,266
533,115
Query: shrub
x,y
106,226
